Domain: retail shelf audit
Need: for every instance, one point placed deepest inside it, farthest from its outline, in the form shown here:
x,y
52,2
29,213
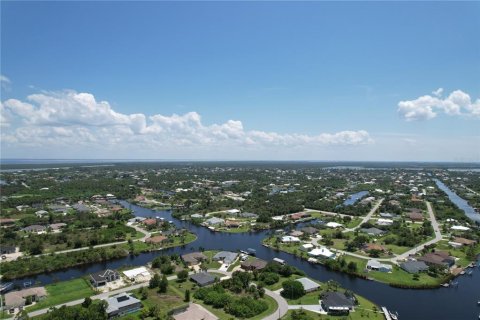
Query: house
x,y
57,226
296,233
414,266
336,302
232,224
140,273
41,213
309,230
459,228
18,299
254,264
35,228
387,215
7,249
377,266
248,215
194,258
122,304
438,258
202,279
80,207
322,252
308,285
290,239
196,216
373,246
373,231
150,222
226,256
103,277
334,225
384,222
306,247
464,241
214,221
156,239
415,216
7,221
233,212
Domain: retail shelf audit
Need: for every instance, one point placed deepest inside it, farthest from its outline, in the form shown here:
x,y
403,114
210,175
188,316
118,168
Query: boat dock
x,y
386,313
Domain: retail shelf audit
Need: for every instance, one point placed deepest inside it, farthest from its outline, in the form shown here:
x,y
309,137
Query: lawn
x,y
64,291
211,264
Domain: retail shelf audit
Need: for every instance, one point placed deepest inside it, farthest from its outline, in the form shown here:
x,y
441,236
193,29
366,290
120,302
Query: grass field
x,y
64,291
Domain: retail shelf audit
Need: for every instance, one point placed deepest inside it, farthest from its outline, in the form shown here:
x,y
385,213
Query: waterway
x,y
445,303
354,198
459,202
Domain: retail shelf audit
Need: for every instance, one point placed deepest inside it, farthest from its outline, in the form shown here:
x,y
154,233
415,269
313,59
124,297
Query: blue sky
x,y
309,80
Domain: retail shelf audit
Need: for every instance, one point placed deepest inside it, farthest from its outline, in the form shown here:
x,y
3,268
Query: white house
x,y
460,228
290,239
306,247
334,225
384,222
322,252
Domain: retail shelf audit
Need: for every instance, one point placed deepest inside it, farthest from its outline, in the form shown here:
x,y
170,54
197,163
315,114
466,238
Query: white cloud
x,y
5,82
68,118
427,107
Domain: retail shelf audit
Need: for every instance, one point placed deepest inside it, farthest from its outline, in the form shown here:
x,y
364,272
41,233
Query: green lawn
x,y
211,264
64,291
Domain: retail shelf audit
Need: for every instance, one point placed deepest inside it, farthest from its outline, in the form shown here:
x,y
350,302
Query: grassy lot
x,y
64,291
353,223
278,285
242,228
163,301
233,265
211,264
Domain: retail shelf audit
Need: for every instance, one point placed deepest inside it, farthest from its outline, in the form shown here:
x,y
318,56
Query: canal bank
x,y
459,302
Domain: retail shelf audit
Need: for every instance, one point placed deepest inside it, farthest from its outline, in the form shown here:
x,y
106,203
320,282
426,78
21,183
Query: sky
x,y
380,81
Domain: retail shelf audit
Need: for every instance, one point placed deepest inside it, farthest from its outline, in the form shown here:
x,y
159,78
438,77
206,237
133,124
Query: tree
x,y
187,296
155,281
292,289
87,302
352,266
162,288
182,275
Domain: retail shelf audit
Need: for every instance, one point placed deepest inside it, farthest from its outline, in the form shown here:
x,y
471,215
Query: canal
x,y
458,302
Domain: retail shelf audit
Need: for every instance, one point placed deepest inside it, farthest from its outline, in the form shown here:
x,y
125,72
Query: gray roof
x,y
81,207
248,215
119,301
196,215
203,278
414,266
226,256
35,227
336,300
374,231
215,220
308,284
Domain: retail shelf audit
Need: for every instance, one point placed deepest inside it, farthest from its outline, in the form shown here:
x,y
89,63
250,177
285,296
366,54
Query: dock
x,y
386,313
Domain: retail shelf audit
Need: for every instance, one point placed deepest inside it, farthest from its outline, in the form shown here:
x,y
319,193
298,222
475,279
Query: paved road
x,y
280,312
367,217
436,229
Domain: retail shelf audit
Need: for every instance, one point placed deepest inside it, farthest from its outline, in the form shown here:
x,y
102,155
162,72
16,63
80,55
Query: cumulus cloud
x,y
457,103
69,118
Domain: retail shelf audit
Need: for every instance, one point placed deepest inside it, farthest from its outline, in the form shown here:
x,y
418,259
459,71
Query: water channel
x,y
452,303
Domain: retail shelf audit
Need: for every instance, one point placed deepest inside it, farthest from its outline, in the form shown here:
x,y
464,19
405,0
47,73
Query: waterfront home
x,y
438,258
290,239
226,256
336,303
414,266
308,285
307,247
323,253
214,221
334,225
103,277
122,304
156,239
138,274
202,279
150,222
309,230
377,266
17,299
196,216
373,231
296,233
232,224
254,264
384,222
35,228
193,258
